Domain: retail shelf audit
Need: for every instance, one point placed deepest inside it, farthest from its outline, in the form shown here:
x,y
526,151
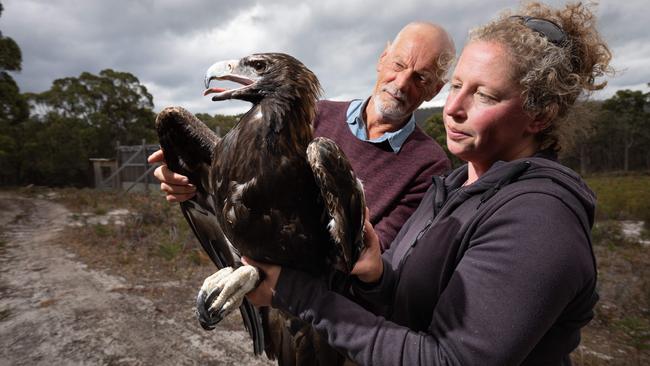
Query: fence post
x,y
117,184
146,166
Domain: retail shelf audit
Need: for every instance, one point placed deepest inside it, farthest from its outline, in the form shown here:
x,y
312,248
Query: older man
x,y
392,156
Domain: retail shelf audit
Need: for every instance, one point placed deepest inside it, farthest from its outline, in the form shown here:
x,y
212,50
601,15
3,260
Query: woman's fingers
x,y
369,266
263,294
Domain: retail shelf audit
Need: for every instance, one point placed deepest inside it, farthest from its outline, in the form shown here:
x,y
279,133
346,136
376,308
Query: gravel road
x,y
56,310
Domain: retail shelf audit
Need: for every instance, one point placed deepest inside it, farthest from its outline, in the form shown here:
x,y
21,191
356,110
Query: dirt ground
x,y
57,309
76,291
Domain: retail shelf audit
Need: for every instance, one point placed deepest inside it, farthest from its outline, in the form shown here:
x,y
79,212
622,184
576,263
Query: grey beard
x,y
388,112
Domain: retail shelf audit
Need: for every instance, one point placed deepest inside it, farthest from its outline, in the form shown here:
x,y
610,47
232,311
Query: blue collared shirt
x,y
357,126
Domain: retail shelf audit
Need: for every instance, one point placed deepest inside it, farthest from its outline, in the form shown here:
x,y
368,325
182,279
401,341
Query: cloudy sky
x,y
169,44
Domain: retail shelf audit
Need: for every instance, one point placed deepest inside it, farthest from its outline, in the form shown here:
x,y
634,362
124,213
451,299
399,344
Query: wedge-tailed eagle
x,y
267,190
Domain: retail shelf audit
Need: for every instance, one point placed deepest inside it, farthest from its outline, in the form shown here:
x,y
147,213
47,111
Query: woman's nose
x,y
454,106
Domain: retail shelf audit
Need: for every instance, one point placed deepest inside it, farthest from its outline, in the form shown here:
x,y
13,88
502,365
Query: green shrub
x,y
606,233
638,331
100,211
102,231
169,251
621,197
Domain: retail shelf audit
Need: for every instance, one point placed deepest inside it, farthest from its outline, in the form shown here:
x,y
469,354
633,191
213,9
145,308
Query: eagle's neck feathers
x,y
288,124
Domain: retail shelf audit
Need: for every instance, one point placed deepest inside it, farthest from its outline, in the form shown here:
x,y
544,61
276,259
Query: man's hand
x,y
369,266
263,293
176,186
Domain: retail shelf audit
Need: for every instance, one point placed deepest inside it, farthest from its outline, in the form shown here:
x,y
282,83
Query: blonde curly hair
x,y
551,76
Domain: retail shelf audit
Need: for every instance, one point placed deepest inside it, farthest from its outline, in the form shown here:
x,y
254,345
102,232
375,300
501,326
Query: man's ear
x,y
383,55
434,91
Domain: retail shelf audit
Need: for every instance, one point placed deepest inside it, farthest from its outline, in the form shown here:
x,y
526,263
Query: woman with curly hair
x,y
495,267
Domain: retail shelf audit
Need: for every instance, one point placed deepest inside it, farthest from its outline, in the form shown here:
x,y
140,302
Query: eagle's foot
x,y
224,292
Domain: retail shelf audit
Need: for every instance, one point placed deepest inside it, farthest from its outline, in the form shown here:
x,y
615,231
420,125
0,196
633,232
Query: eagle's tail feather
x,y
207,230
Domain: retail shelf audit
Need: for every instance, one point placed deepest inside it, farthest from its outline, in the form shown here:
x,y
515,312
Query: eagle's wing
x,y
188,146
187,143
343,196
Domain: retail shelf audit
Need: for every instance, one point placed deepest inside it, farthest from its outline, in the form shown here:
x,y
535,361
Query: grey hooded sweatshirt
x,y
500,272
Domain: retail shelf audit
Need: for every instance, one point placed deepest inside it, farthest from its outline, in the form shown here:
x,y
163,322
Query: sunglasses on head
x,y
550,30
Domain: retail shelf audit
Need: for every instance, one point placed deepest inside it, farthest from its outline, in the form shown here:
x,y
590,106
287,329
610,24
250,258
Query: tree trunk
x,y
629,142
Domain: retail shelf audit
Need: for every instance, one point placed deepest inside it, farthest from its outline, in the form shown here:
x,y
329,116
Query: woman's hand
x,y
263,293
177,187
369,266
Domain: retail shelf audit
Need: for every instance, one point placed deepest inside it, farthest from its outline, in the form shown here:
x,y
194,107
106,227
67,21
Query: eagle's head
x,y
264,75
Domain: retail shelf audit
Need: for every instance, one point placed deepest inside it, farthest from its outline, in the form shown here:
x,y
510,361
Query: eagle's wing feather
x,y
343,196
187,143
188,146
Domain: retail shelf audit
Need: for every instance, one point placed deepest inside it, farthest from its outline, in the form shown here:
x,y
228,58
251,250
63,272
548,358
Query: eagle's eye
x,y
259,66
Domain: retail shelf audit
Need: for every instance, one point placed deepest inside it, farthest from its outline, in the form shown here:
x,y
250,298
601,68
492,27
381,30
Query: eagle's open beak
x,y
226,70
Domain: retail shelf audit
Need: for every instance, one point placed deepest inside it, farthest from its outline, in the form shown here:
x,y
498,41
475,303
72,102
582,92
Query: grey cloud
x,y
169,44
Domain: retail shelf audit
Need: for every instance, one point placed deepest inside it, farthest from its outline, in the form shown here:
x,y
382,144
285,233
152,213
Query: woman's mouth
x,y
456,134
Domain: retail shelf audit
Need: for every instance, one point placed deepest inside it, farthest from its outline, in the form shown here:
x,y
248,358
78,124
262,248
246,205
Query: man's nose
x,y
402,79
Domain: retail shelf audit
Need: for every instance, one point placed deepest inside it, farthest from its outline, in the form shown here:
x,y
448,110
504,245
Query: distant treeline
x,y
597,136
48,138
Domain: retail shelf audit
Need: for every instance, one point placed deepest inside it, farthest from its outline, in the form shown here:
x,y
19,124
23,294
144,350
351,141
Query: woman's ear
x,y
538,125
543,119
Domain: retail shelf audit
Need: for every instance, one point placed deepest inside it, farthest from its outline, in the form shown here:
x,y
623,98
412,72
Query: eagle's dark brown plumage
x,y
269,191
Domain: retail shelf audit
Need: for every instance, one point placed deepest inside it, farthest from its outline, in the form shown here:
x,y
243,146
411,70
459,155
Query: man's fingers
x,y
174,189
176,186
178,193
179,197
164,174
156,157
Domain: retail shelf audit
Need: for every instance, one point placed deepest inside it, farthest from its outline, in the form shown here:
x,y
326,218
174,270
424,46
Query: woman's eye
x,y
485,97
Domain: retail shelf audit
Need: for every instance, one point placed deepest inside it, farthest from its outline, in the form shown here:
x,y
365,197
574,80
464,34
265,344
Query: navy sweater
x,y
500,272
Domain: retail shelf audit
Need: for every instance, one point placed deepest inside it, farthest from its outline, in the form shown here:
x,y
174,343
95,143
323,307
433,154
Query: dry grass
x,y
155,243
620,331
622,197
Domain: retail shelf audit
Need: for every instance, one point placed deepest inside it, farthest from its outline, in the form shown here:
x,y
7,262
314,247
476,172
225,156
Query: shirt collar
x,y
354,118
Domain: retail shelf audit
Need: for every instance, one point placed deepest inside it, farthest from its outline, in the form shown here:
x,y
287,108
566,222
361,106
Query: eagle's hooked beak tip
x,y
219,69
206,81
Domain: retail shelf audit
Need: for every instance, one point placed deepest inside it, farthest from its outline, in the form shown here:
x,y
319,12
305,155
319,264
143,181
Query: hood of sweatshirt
x,y
504,173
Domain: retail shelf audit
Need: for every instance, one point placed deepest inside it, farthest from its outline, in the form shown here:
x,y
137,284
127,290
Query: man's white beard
x,y
391,110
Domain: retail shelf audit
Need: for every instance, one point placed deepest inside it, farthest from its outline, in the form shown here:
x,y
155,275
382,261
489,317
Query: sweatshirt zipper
x,y
440,199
